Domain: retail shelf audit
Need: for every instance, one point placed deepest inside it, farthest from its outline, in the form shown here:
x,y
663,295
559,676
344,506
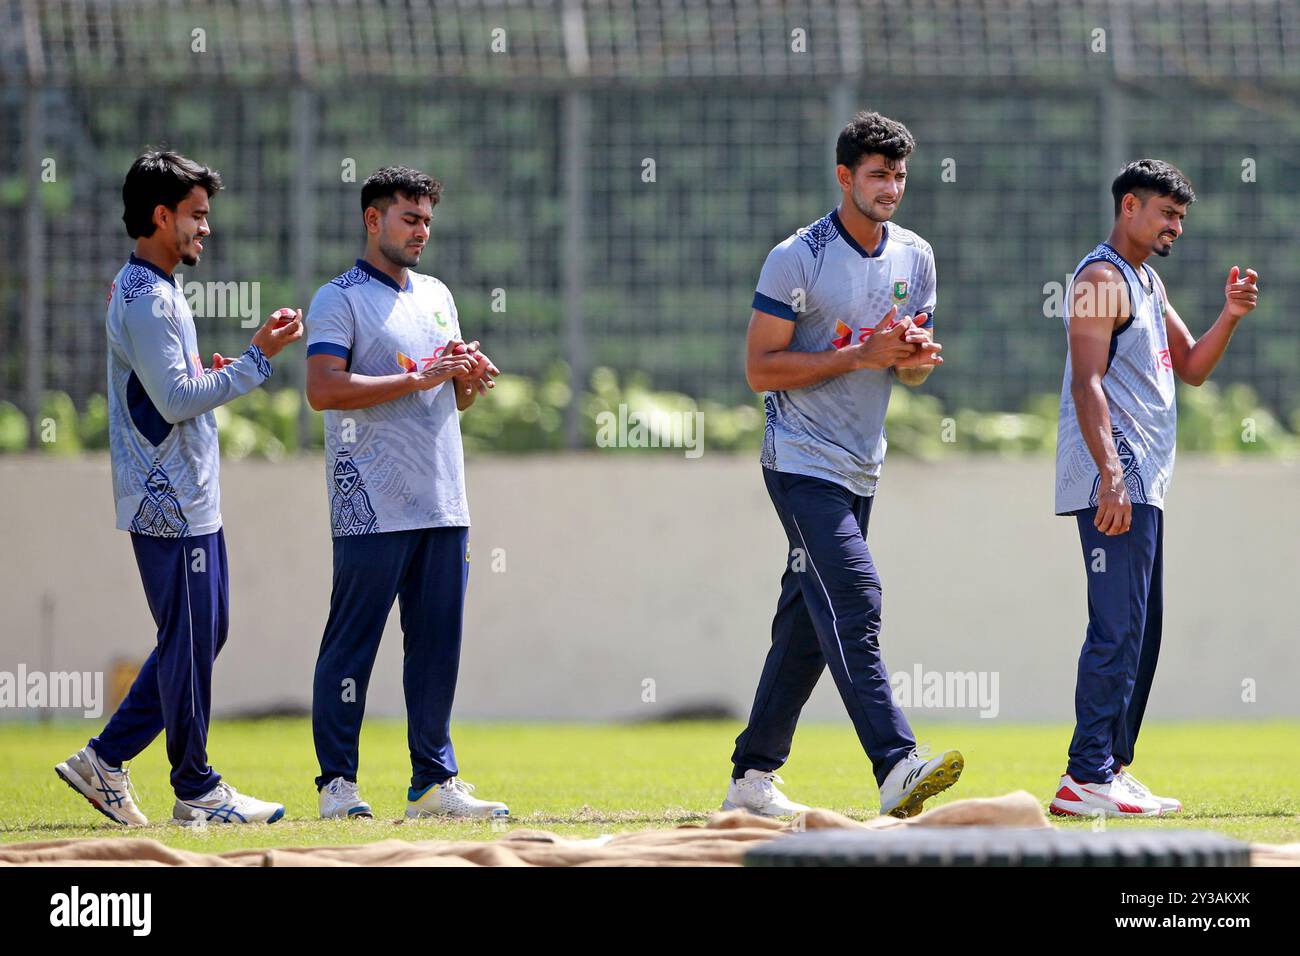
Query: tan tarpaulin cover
x,y
723,841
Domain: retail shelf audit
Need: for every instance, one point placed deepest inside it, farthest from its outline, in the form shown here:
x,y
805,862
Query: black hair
x,y
384,184
869,133
161,177
1151,177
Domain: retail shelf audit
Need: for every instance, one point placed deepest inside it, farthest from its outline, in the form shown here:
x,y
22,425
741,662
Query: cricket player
x,y
1114,461
844,308
386,363
162,438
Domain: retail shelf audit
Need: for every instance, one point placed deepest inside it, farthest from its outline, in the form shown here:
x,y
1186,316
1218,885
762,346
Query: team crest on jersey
x,y
350,509
405,362
900,290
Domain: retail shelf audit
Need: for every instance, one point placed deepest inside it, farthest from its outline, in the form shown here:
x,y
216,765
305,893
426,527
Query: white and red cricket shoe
x,y
1130,782
1076,799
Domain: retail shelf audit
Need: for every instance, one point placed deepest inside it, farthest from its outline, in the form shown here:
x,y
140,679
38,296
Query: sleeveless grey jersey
x,y
1139,387
835,292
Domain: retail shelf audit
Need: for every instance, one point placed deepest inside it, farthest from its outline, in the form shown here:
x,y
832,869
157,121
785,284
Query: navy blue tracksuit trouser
x,y
187,586
426,570
829,613
1118,661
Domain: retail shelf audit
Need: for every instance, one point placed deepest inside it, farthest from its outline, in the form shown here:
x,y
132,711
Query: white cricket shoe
x,y
107,788
451,798
916,778
757,793
1114,799
224,804
340,800
1136,787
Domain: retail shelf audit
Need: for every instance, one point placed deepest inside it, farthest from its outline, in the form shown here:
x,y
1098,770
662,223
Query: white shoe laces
x,y
1133,784
346,789
128,787
766,784
458,785
223,792
920,752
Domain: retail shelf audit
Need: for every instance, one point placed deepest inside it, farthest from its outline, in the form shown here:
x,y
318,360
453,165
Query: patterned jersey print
x,y
835,292
162,434
397,465
1139,387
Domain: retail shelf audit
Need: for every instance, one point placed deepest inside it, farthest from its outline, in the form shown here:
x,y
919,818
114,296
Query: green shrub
x,y
94,424
57,424
13,428
524,414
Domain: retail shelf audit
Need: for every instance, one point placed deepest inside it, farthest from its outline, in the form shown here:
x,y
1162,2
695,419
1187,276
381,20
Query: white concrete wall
x,y
624,568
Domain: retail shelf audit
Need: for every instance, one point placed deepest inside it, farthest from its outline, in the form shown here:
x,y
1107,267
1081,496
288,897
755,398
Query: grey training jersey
x,y
835,292
1139,387
397,465
162,435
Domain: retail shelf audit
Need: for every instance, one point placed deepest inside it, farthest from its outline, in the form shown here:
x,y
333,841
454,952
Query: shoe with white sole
x,y
1136,787
916,778
107,788
451,798
224,804
757,793
1076,799
340,800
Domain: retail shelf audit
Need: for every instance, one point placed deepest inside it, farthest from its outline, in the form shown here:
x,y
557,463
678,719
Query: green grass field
x,y
582,780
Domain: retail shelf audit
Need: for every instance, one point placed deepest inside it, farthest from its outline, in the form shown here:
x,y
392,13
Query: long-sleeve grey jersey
x,y
162,435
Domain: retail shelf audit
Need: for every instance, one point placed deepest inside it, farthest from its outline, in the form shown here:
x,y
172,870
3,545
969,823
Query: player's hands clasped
x,y
481,378
900,343
282,327
927,349
1241,293
447,366
886,344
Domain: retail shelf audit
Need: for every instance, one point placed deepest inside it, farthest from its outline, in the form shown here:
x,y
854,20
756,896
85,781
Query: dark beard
x,y
868,211
182,243
399,256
